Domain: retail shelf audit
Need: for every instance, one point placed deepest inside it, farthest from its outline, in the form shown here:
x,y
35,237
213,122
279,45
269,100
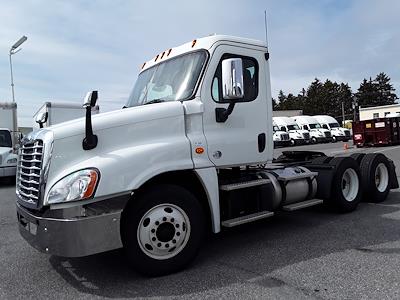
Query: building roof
x,y
380,107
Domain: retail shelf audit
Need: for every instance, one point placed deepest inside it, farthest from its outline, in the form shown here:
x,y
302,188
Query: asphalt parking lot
x,y
305,254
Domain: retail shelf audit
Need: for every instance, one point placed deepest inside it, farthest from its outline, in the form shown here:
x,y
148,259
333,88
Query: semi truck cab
x,y
192,152
8,159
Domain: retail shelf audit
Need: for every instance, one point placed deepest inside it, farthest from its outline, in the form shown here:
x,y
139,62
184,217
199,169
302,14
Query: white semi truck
x,y
318,134
280,138
338,133
8,139
192,152
51,113
297,135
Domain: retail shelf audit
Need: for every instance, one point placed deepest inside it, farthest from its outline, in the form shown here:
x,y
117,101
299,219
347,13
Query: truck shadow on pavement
x,y
243,254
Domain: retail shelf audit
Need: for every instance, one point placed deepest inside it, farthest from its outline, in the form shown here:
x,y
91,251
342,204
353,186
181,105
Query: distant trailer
x,y
376,132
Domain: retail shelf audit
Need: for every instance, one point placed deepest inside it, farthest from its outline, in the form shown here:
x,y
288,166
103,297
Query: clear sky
x,y
77,46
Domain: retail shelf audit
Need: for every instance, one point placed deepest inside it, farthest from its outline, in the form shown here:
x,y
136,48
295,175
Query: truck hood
x,y
118,118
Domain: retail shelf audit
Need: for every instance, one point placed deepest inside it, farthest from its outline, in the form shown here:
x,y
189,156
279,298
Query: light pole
x,y
14,49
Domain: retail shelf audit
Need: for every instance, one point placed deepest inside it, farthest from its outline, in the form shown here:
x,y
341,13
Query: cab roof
x,y
200,43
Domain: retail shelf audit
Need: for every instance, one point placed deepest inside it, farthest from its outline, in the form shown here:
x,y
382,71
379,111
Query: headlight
x,y
76,186
12,161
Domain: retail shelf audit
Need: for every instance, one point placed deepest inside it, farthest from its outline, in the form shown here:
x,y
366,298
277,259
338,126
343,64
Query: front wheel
x,y
334,139
162,230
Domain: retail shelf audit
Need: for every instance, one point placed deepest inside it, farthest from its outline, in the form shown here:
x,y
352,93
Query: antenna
x,y
266,28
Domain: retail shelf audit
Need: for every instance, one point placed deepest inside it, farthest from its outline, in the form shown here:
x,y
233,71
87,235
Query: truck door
x,y
246,136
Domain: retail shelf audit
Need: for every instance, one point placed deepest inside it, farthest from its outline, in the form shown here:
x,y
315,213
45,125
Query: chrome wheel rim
x,y
350,185
381,177
163,231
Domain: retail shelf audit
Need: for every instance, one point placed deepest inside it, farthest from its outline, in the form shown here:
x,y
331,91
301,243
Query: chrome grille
x,y
29,171
347,133
328,134
306,135
284,136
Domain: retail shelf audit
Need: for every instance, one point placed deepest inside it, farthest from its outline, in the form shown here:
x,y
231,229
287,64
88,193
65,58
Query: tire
x,y
375,172
292,142
358,157
161,217
346,186
314,140
334,139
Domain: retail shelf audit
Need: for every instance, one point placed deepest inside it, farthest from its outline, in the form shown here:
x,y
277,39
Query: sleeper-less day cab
x,y
338,133
191,152
298,136
318,134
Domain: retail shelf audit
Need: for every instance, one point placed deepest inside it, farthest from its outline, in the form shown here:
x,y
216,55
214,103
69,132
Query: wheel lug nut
x,y
164,219
178,233
157,223
172,220
177,225
159,245
174,241
153,239
153,230
166,245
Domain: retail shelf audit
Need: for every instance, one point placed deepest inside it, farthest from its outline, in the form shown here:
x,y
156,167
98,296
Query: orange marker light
x,y
143,65
92,185
194,43
199,150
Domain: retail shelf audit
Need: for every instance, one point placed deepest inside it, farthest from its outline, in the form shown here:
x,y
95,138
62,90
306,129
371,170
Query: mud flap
x,y
394,183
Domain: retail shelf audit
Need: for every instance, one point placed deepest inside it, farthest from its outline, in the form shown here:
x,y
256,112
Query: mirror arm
x,y
222,114
90,140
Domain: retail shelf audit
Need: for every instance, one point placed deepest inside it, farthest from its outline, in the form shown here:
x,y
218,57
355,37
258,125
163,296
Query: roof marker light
x,y
162,55
194,43
143,65
169,52
157,57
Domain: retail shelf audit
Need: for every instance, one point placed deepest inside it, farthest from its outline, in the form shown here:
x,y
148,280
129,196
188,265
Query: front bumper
x,y
71,237
8,171
324,139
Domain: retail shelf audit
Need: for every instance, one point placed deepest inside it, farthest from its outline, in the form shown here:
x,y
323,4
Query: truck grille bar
x,y
29,172
328,134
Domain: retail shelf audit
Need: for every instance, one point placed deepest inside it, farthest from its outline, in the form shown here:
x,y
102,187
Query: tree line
x,y
327,97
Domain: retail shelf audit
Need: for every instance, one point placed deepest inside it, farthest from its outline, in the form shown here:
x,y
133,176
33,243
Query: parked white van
x,y
330,123
297,136
317,133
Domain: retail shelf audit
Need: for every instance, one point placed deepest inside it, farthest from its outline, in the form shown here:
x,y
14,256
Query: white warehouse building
x,y
368,113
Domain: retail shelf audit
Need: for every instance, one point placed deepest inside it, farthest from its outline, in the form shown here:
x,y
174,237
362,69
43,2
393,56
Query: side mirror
x,y
232,79
90,99
41,118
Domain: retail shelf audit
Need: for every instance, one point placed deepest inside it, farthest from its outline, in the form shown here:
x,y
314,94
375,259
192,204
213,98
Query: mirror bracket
x,y
90,141
222,114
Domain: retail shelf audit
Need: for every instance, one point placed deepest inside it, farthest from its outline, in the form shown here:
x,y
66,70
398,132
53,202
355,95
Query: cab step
x,y
247,218
244,184
300,205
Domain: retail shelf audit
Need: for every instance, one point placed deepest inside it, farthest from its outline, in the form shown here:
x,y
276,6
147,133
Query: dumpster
x,y
376,132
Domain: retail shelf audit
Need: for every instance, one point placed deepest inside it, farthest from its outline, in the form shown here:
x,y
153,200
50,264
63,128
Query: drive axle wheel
x,y
376,177
162,230
346,184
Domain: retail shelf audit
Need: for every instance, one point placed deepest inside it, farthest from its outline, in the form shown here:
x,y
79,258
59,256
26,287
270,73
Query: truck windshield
x,y
293,127
172,80
315,126
333,125
5,139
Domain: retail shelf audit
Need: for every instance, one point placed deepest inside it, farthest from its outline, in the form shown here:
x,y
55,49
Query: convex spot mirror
x,y
232,79
41,118
90,99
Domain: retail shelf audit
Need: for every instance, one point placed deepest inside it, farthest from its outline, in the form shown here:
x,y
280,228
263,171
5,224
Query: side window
x,y
305,127
250,79
325,126
283,128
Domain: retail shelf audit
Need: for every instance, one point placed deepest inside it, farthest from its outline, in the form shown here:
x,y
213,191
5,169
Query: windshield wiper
x,y
154,101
